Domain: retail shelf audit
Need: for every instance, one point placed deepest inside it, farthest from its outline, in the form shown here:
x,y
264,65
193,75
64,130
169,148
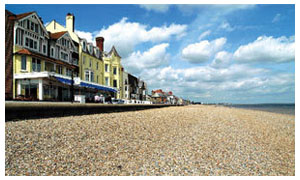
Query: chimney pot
x,y
100,43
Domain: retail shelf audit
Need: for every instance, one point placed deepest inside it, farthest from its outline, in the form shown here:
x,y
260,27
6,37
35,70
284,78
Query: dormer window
x,y
91,49
84,45
97,52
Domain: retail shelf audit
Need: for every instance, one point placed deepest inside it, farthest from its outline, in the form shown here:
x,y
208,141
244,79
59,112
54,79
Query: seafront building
x,y
92,69
41,64
53,63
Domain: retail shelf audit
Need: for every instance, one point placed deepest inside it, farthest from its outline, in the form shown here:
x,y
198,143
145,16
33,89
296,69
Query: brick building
x,y
9,34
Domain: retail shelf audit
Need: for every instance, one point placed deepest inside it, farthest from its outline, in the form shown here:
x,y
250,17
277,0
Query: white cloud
x,y
204,34
226,26
207,83
267,49
276,18
126,35
86,35
220,9
153,58
202,51
222,59
46,24
156,7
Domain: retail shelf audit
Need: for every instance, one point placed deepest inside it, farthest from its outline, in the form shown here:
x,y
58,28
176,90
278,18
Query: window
x,y
90,62
64,56
44,49
106,81
52,52
97,79
34,44
69,72
97,65
59,69
23,63
30,43
92,77
36,65
125,88
106,68
87,75
115,83
28,22
83,45
115,70
32,26
36,28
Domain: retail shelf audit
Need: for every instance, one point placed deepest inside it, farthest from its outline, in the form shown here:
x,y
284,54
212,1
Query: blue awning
x,y
63,80
99,87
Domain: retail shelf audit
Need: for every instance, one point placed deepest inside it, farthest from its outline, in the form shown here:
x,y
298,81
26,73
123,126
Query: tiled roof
x,y
57,35
20,16
24,51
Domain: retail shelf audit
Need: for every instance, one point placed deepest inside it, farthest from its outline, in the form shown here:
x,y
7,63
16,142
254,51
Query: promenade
x,y
186,140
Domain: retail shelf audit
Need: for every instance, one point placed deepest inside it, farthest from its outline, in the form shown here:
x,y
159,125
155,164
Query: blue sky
x,y
210,53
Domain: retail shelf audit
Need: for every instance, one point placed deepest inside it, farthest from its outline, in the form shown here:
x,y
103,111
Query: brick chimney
x,y
100,43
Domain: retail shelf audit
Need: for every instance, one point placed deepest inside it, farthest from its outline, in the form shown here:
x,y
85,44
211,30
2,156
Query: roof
x,y
18,16
113,50
28,52
9,13
24,51
57,35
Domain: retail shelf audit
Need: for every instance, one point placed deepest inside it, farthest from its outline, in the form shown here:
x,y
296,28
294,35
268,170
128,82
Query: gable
x,y
32,16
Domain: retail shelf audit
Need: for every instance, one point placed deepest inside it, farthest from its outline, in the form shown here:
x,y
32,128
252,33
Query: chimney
x,y
100,43
70,22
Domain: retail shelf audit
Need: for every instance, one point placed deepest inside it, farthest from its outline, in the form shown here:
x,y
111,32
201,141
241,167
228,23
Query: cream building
x,y
91,61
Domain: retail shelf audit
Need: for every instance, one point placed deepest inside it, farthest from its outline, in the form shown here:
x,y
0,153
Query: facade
x,y
91,66
42,62
9,35
53,63
113,71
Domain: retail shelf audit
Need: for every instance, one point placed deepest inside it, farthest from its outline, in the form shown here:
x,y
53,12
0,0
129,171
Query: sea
x,y
276,108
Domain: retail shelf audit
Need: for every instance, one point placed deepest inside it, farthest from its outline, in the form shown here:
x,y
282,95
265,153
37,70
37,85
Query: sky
x,y
209,53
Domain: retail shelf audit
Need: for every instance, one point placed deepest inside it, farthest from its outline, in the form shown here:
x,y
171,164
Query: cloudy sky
x,y
209,53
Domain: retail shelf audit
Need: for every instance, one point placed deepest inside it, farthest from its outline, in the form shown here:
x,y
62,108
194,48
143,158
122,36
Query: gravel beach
x,y
191,140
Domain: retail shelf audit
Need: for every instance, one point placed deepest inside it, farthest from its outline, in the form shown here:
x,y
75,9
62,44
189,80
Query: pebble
x,y
189,140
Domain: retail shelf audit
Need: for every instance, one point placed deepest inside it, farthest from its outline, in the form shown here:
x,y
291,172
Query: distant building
x,y
126,86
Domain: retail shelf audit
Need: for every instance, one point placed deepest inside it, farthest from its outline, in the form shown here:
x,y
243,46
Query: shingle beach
x,y
190,140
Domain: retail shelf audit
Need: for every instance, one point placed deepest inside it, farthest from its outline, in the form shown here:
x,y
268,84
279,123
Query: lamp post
x,y
72,84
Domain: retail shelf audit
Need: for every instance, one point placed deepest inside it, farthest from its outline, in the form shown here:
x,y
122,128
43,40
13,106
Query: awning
x,y
86,84
99,87
63,80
